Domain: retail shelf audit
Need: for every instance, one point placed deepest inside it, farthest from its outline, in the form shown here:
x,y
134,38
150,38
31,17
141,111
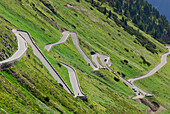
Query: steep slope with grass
x,y
27,87
158,84
8,41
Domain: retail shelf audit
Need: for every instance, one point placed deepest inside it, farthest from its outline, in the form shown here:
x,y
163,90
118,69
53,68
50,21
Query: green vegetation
x,y
158,85
149,45
141,13
27,87
8,43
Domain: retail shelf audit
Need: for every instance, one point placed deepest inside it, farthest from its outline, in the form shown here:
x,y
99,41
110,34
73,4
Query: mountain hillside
x,y
28,87
162,6
146,17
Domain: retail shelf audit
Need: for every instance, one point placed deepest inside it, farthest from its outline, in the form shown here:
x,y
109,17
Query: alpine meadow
x,y
83,56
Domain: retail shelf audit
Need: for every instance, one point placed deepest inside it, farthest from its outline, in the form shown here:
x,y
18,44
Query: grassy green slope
x,y
8,43
158,85
45,25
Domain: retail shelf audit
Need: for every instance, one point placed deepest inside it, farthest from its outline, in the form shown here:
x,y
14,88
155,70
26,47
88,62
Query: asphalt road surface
x,y
75,40
22,50
105,60
43,59
155,69
23,36
74,81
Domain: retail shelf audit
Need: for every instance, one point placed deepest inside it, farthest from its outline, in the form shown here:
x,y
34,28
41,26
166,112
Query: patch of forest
x,y
142,14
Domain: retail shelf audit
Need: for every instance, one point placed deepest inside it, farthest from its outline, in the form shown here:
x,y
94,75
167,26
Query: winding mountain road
x,y
23,38
74,81
134,89
105,60
75,40
25,35
155,69
94,58
22,51
72,74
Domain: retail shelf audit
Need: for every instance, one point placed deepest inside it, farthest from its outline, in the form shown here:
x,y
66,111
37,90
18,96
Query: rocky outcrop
x,y
152,105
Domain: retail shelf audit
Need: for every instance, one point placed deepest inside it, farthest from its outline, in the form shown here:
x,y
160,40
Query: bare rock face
x,y
6,65
153,106
2,56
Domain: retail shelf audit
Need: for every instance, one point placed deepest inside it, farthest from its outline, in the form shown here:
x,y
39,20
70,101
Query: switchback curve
x,y
44,60
155,69
74,82
75,40
22,51
105,60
